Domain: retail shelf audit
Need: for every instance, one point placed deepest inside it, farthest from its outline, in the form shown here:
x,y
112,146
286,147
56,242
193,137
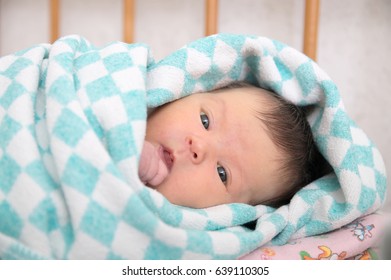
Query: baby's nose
x,y
197,149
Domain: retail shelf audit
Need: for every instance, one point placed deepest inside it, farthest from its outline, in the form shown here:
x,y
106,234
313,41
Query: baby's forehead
x,y
260,99
249,89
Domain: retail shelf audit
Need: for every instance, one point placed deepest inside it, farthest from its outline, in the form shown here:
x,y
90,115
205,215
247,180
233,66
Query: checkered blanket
x,y
72,125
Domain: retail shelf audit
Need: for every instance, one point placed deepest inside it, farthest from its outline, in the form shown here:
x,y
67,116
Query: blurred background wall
x,y
353,48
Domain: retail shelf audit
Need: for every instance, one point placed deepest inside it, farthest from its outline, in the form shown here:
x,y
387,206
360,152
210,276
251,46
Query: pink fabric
x,y
358,240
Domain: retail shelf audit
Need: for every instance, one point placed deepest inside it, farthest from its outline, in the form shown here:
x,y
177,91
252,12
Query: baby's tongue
x,y
152,168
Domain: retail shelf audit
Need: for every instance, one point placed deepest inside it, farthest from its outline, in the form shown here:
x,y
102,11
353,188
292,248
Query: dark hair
x,y
290,131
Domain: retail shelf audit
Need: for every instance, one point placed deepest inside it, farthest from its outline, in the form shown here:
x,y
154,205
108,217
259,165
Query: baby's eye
x,y
222,174
204,120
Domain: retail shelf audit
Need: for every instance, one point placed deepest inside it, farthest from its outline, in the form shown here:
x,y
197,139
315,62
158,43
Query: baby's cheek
x,y
193,186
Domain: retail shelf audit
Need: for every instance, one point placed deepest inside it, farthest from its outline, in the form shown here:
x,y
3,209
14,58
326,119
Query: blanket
x,y
72,125
362,239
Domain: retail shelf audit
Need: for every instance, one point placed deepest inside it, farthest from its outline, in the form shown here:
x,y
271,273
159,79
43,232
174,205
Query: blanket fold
x,y
72,126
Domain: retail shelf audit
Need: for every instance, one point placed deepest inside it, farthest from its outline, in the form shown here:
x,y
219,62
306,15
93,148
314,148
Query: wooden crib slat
x,y
54,20
311,28
211,14
128,20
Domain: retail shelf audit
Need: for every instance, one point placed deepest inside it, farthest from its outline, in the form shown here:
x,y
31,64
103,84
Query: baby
x,y
240,144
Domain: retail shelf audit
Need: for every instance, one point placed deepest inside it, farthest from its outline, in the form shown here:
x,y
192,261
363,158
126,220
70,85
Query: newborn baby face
x,y
215,148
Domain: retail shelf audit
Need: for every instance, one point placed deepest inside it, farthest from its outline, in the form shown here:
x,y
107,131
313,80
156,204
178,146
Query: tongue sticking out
x,y
154,164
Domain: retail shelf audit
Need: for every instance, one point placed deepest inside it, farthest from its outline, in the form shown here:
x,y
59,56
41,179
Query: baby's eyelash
x,y
223,174
204,120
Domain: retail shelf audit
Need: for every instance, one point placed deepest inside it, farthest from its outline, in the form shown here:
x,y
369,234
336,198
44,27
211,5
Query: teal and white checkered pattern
x,y
72,125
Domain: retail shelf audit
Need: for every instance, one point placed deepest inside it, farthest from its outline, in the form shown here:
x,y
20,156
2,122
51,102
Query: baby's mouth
x,y
168,157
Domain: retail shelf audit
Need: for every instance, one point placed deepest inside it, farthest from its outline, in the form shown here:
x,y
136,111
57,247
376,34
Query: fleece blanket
x,y
72,125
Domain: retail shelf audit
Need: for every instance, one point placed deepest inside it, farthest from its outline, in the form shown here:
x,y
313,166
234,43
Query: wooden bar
x,y
54,20
211,14
128,20
311,28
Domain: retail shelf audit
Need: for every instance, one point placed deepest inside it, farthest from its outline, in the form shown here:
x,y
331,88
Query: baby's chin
x,y
168,190
161,188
